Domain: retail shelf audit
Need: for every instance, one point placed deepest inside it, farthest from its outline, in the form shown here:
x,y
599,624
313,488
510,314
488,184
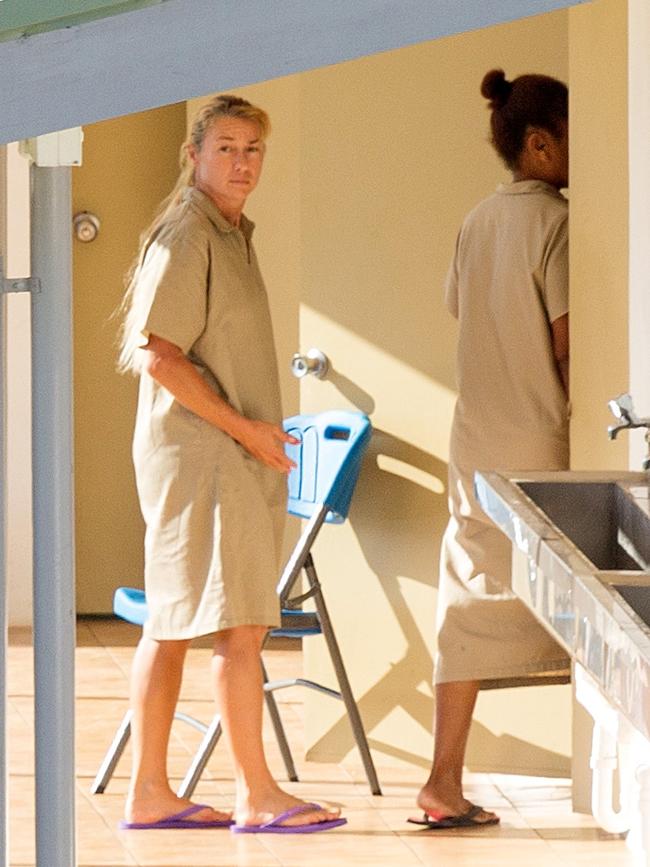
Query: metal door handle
x,y
314,363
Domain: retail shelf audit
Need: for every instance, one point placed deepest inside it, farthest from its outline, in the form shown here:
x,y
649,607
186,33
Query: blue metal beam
x,y
184,48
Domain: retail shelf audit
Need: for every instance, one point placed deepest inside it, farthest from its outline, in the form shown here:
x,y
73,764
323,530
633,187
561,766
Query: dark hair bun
x,y
495,88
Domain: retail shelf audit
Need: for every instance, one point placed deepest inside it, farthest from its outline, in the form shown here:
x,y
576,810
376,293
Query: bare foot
x,y
439,804
146,810
258,809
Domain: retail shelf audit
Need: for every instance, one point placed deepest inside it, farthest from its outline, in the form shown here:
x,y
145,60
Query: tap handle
x,y
622,407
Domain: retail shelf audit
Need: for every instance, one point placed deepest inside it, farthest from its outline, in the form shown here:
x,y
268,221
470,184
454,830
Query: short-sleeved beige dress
x,y
507,283
214,515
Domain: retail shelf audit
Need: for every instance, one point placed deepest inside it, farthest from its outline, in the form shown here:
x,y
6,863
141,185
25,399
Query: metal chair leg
x,y
113,755
211,736
201,758
342,677
280,734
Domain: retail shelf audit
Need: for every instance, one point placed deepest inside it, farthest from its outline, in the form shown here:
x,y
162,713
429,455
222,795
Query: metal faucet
x,y
622,408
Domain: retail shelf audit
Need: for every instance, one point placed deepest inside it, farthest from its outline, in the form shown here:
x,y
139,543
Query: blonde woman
x,y
210,470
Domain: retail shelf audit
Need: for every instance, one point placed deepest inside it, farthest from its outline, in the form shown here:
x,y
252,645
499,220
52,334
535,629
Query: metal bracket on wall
x,y
17,284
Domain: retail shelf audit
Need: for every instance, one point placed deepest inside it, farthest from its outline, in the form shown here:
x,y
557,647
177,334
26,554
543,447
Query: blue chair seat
x,y
130,604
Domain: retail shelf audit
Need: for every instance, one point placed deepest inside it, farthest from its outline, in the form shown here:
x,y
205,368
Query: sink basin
x,y
586,570
638,598
602,520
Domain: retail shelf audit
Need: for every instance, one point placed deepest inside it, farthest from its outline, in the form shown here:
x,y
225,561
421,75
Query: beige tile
x,y
538,828
21,820
111,631
98,841
505,846
97,675
600,851
207,848
20,736
20,636
20,671
364,841
84,635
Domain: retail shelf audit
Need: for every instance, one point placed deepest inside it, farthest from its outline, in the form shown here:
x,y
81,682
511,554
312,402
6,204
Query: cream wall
x,y
599,228
129,165
394,155
14,249
639,230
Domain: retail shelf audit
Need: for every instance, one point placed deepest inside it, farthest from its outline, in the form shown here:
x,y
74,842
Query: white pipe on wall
x,y
604,762
639,838
617,745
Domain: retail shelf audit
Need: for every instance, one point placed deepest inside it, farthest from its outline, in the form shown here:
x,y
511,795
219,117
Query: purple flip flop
x,y
275,826
177,821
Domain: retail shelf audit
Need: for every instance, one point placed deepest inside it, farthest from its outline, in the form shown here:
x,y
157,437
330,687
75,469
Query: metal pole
x,y
52,455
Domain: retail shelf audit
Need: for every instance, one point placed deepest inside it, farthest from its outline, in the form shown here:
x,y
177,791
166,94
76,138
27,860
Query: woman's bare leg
x,y
442,794
240,698
156,676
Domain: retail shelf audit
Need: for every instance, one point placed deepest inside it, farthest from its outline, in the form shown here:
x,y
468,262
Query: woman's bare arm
x,y
166,363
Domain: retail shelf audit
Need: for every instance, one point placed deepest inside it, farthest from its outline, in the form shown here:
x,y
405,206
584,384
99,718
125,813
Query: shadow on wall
x,y
399,496
351,391
521,754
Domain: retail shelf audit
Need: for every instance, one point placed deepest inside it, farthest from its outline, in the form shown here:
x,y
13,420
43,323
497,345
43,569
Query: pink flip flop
x,y
275,826
177,821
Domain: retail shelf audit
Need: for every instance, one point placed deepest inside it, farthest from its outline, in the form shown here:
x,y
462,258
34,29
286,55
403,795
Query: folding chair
x,y
130,604
328,459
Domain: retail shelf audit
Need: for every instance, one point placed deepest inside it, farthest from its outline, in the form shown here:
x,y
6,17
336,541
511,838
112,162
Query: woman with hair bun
x,y
508,288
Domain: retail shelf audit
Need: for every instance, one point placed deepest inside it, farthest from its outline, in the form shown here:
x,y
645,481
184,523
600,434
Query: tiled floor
x,y
538,828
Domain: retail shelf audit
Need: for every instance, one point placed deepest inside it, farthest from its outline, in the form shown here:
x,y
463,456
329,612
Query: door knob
x,y
86,226
314,362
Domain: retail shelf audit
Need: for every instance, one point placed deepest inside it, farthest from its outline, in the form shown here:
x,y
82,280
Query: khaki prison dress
x,y
507,283
214,515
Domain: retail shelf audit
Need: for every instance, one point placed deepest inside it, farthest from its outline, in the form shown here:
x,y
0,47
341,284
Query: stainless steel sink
x,y
602,519
586,575
637,597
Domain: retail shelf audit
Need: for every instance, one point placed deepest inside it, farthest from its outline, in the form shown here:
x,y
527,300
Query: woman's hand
x,y
167,364
264,441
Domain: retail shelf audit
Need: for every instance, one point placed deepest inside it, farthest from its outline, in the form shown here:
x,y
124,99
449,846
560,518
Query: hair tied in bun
x,y
496,88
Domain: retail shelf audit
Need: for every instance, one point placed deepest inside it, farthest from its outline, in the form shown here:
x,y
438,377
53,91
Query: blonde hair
x,y
224,105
